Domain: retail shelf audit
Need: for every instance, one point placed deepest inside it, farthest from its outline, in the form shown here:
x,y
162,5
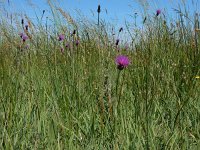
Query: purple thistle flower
x,y
122,62
24,37
117,42
158,12
61,37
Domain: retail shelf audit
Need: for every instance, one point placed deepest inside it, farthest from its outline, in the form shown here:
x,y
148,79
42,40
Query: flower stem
x,y
117,81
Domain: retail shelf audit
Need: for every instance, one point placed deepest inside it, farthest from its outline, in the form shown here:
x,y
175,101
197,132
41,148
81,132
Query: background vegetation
x,y
69,94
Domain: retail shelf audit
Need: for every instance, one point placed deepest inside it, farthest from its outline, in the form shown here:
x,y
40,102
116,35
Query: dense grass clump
x,y
61,88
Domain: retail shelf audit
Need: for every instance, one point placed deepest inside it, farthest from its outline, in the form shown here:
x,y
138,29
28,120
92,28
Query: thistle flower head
x,y
158,12
99,9
121,29
61,37
24,37
26,26
122,62
117,42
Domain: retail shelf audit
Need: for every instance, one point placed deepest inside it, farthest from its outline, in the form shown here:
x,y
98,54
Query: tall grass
x,y
78,99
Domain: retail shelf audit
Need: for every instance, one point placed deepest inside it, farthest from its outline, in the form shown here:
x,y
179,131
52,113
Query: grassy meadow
x,y
68,93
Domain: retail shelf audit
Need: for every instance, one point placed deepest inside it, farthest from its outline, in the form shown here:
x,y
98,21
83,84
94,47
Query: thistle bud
x,y
117,42
121,29
74,32
26,26
99,9
158,12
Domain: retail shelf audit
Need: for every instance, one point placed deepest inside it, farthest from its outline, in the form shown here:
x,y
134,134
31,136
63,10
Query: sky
x,y
114,11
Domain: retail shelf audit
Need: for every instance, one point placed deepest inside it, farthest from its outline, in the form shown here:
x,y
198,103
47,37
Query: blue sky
x,y
115,11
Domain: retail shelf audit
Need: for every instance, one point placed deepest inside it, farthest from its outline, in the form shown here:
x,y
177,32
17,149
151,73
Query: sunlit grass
x,y
55,96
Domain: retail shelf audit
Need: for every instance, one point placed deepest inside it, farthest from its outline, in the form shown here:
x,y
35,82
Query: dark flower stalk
x,y
22,22
117,82
42,14
117,42
121,29
144,20
98,11
74,32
